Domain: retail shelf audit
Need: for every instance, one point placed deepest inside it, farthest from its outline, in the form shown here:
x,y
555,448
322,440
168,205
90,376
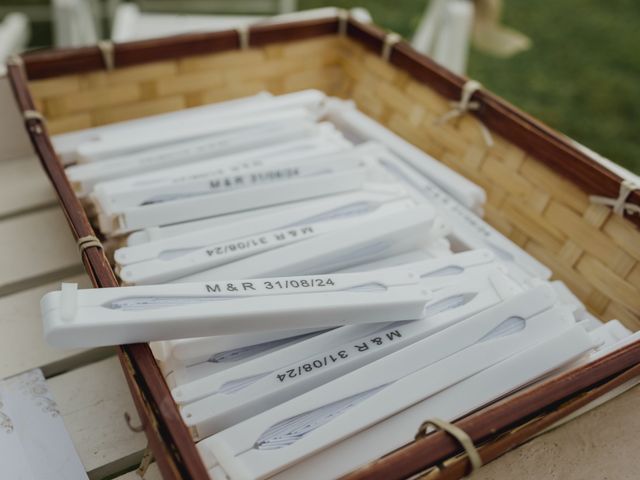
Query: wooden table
x,y
37,253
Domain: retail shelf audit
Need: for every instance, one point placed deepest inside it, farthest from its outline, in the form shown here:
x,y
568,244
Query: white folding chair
x,y
444,33
130,23
448,27
76,22
14,35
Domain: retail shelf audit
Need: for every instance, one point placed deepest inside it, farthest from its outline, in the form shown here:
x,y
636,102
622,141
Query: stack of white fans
x,y
314,286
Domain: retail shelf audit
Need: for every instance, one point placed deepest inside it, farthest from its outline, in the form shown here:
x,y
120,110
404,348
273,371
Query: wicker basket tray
x,y
538,184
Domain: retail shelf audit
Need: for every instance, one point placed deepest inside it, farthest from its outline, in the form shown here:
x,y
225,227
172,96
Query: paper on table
x,y
34,444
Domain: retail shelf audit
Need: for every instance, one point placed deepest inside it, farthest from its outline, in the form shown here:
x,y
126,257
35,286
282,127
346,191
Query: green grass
x,y
581,76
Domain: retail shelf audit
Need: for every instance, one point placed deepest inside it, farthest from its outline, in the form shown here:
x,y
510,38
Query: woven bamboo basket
x,y
538,185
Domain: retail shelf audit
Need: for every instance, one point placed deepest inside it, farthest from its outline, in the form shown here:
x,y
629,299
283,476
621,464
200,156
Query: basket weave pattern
x,y
594,251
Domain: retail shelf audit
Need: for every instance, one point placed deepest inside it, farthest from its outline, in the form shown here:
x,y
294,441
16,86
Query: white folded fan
x,y
366,241
269,442
144,135
194,350
177,373
191,351
66,144
335,207
84,177
114,316
185,261
437,249
454,402
356,124
467,228
296,209
147,313
224,180
457,295
302,142
233,201
234,395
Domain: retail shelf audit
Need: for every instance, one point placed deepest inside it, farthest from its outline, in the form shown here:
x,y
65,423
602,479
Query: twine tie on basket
x,y
466,105
620,205
107,52
460,435
243,36
34,115
15,60
87,242
390,41
343,20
